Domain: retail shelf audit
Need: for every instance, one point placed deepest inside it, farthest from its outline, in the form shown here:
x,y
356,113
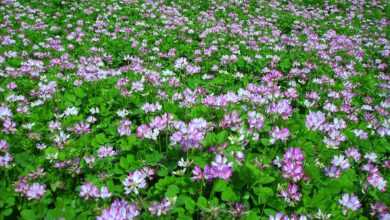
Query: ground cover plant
x,y
201,109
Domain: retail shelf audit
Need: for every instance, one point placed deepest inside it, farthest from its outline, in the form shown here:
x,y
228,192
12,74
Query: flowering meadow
x,y
199,109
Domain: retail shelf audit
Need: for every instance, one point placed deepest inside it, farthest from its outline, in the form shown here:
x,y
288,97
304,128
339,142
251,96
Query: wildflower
x,y
160,208
219,168
279,134
197,173
190,136
5,112
5,159
353,153
88,190
255,120
291,195
292,164
315,120
349,201
124,128
135,181
104,192
106,151
119,210
71,111
35,191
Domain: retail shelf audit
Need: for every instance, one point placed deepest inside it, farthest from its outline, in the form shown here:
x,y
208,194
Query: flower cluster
x,y
292,164
134,109
6,157
190,135
137,180
339,164
31,191
90,191
291,195
219,168
350,202
119,210
160,208
374,177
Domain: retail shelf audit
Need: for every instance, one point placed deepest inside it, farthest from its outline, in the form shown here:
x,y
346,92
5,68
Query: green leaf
x,y
202,202
172,191
126,162
99,140
219,186
229,195
265,179
263,194
28,214
252,215
129,143
189,203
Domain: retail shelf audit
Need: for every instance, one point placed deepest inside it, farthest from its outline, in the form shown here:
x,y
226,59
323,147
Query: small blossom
x,y
119,210
349,201
35,191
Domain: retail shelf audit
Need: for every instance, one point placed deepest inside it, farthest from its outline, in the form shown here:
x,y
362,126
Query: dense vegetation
x,y
201,109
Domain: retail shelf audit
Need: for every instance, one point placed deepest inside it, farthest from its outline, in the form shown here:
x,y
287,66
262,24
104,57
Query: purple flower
x,y
9,127
377,181
279,134
231,120
5,112
219,168
238,209
291,194
292,164
197,173
282,108
379,209
350,201
147,107
279,216
332,171
160,208
341,161
88,190
190,136
104,192
353,153
119,210
124,128
3,145
5,159
255,120
135,181
315,120
81,128
35,191
106,151
181,63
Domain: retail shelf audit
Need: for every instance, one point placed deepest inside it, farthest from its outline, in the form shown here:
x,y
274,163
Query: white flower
x,y
94,110
371,156
28,126
71,111
122,113
168,73
183,163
